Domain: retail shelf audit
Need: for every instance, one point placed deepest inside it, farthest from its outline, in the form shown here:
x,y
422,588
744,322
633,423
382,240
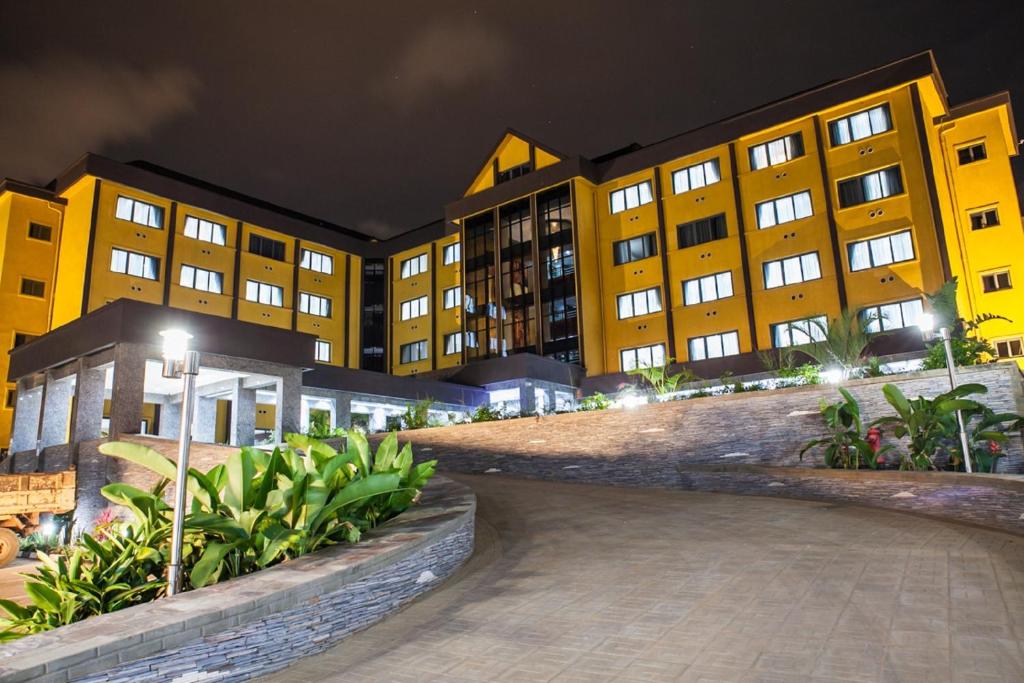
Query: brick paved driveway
x,y
588,583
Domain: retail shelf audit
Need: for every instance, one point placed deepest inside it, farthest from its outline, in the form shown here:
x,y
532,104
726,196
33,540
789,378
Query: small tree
x,y
969,347
845,340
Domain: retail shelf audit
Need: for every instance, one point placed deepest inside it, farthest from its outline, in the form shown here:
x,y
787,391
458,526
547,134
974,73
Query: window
x,y
707,288
870,187
1009,348
986,218
322,353
634,249
894,316
37,231
139,212
33,288
971,153
696,176
411,353
414,266
701,231
451,297
642,357
777,151
11,394
137,265
414,308
206,231
199,278
880,251
264,246
263,293
452,253
314,305
639,303
790,271
799,332
20,338
784,209
714,346
992,282
315,261
452,343
514,172
861,125
631,197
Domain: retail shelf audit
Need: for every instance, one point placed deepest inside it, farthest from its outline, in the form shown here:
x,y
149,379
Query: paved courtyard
x,y
587,583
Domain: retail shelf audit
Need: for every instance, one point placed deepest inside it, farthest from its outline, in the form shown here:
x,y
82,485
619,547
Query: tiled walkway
x,y
586,583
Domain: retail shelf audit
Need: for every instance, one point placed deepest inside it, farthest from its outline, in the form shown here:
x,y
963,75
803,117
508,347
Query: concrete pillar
x,y
87,416
204,425
127,394
527,399
243,416
53,425
343,412
287,416
170,418
27,409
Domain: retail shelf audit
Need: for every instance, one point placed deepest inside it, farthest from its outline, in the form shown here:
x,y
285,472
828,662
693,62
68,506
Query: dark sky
x,y
374,114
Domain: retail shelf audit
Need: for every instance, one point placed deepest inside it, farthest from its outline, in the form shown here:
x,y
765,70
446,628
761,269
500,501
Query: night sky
x,y
374,115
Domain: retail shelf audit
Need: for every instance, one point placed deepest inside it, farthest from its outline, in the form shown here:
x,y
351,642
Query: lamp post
x,y
179,361
927,323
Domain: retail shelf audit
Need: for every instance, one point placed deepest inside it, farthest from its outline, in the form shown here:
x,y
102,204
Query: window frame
x,y
996,281
42,226
712,223
195,271
214,225
457,337
419,344
318,344
635,351
645,240
852,244
969,147
1009,340
847,118
451,254
157,210
624,193
31,281
421,262
879,321
257,238
774,202
306,301
787,141
703,339
861,178
457,296
306,259
713,277
688,171
983,213
127,262
782,262
272,288
646,295
418,304
811,329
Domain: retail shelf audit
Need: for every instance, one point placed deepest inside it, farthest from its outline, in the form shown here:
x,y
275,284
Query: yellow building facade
x,y
708,247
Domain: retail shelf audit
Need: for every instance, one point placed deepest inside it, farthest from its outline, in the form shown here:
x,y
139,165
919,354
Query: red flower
x,y
874,438
993,447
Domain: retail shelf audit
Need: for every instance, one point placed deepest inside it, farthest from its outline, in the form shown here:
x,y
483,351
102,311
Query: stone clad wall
x,y
257,624
643,446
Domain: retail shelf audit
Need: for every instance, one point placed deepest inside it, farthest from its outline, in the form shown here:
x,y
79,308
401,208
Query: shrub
x,y
596,401
660,381
969,347
256,510
417,416
486,413
846,446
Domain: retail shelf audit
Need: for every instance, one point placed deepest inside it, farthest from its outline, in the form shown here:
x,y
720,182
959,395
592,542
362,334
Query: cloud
x,y
443,58
70,106
375,227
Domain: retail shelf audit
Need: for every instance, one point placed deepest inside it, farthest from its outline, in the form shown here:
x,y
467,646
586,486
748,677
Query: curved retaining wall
x,y
256,624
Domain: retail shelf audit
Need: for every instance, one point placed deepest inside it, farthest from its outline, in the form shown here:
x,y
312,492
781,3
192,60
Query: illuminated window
x,y
881,251
639,303
451,297
631,197
799,332
312,304
205,231
894,316
322,353
452,343
413,352
861,125
971,153
202,279
651,356
870,187
714,346
707,288
696,176
317,262
136,265
792,270
139,212
413,308
264,293
414,266
452,253
634,249
784,209
777,151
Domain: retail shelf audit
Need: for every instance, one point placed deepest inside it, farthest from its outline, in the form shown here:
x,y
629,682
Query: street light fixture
x,y
926,321
179,361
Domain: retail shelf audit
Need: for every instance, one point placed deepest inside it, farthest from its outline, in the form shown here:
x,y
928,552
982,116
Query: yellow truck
x,y
23,497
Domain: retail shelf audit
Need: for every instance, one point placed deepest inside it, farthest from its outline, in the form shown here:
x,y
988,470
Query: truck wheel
x,y
8,546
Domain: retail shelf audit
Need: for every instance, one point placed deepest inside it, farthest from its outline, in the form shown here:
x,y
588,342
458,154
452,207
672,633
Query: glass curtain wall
x,y
560,331
481,304
518,312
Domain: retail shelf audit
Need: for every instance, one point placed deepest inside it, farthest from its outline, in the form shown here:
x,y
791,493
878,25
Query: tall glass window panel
x,y
881,251
205,231
631,197
860,125
696,176
642,357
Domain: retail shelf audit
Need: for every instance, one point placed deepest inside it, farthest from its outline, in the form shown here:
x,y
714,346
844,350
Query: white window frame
x,y
786,268
712,287
851,128
1008,341
322,351
315,304
264,293
452,343
413,308
775,152
134,264
880,251
451,253
139,212
421,352
649,356
696,176
785,209
204,230
316,261
718,345
194,277
630,197
451,297
883,317
646,301
411,267
803,326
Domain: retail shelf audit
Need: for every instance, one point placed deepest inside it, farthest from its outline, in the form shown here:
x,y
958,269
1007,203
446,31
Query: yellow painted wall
x,y
590,310
270,271
73,251
355,276
333,287
416,329
448,321
206,255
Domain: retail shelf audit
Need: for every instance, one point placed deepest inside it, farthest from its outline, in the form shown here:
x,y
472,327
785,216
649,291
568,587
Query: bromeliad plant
x,y
255,510
846,446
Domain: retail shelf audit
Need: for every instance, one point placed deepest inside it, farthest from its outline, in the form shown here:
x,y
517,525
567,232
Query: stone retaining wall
x,y
256,624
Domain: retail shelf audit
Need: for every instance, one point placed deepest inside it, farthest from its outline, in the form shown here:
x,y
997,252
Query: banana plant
x,y
845,444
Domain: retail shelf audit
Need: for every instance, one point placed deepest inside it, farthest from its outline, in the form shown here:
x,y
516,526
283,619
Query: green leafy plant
x,y
846,445
255,510
782,362
809,373
320,427
660,380
417,416
596,401
987,436
872,368
969,347
46,543
844,342
486,413
929,425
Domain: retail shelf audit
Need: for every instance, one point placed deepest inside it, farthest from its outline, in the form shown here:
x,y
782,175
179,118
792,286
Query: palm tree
x,y
844,341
